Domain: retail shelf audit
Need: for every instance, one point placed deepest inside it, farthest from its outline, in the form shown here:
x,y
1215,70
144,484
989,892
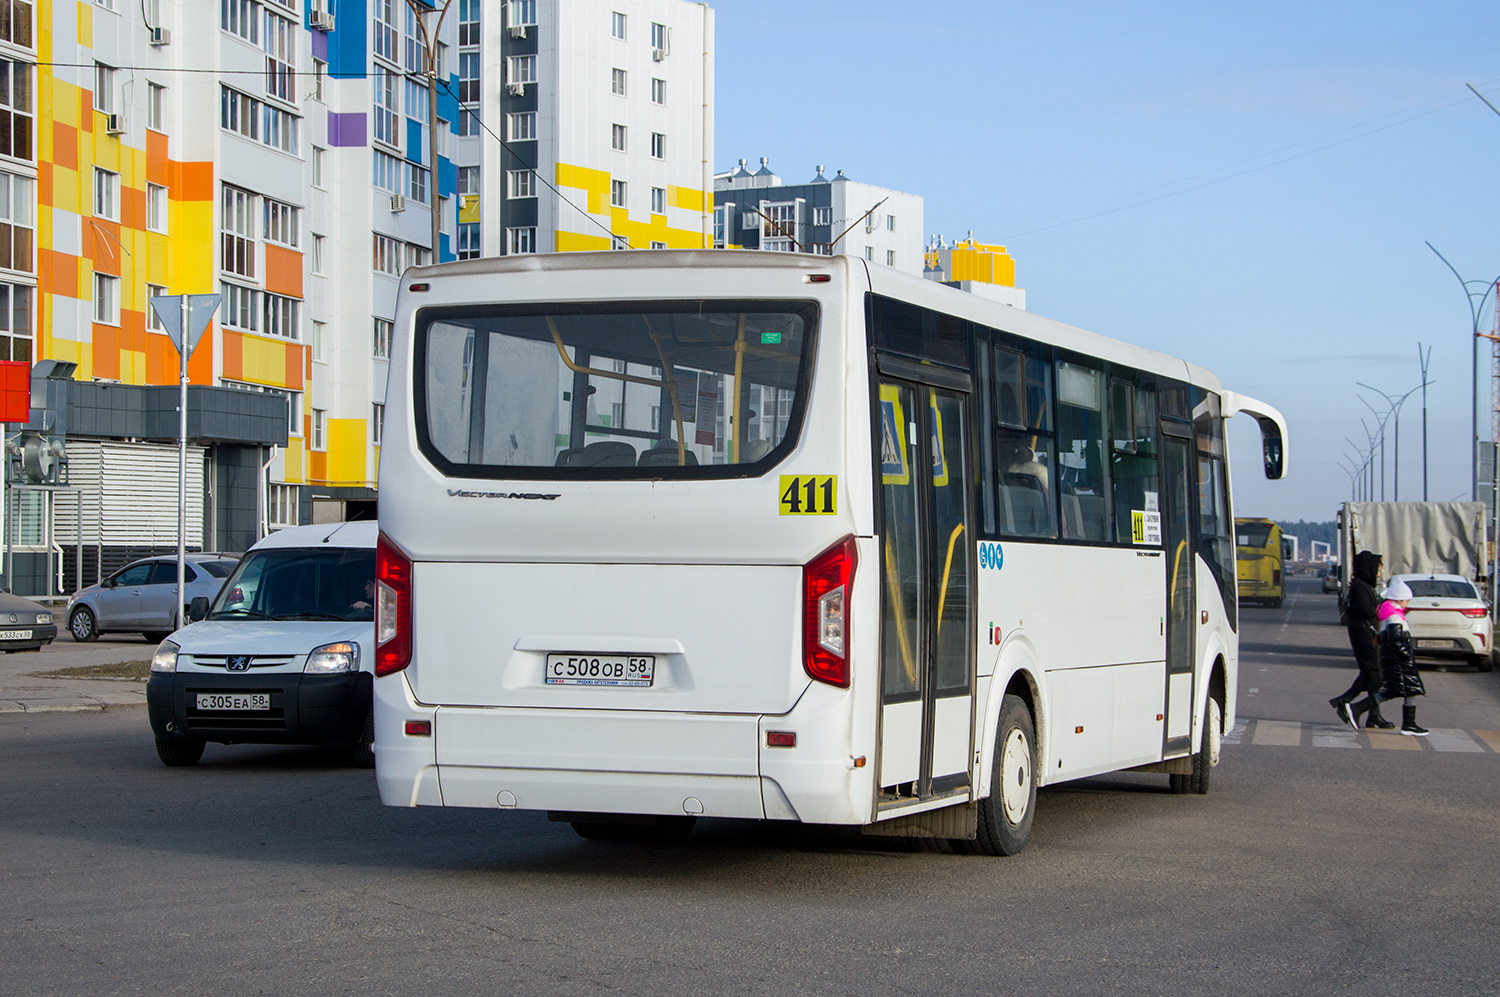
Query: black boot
x,y
1359,709
1375,719
1409,722
1340,706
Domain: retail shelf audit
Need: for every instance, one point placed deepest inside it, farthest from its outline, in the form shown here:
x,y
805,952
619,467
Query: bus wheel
x,y
1207,755
1005,816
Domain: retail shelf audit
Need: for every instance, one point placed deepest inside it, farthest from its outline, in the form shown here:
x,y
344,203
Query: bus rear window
x,y
1252,534
664,390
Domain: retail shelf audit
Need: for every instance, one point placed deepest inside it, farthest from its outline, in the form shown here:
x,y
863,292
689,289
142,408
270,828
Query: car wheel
x,y
362,752
82,625
1005,816
179,753
1482,662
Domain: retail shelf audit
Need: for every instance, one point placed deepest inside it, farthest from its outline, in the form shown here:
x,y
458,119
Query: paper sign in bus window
x,y
1145,527
708,411
939,461
893,466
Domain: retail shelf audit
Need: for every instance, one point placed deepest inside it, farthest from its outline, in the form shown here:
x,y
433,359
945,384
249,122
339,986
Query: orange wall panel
x,y
106,351
234,355
57,273
64,145
86,109
161,360
104,235
194,181
132,208
283,271
201,363
44,185
294,366
156,158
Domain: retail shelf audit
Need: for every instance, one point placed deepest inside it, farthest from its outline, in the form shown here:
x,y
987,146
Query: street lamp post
x,y
1423,359
1395,403
1476,307
429,53
1381,421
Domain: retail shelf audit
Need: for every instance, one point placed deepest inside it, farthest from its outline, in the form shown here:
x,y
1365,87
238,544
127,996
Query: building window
x,y
417,256
617,25
385,29
104,88
388,172
387,255
520,240
15,22
281,223
319,337
241,17
444,139
617,192
239,113
617,82
381,346
106,299
890,257
317,166
658,245
280,129
658,145
153,320
15,110
387,108
319,71
15,322
658,91
468,122
520,69
282,316
750,219
317,254
238,229
660,40
522,183
413,61
240,308
468,77
468,179
870,253
522,13
890,223
522,126
416,101
822,216
156,98
468,241
658,200
377,423
418,186
283,505
106,194
468,22
617,136
156,208
780,223
319,429
279,45
17,195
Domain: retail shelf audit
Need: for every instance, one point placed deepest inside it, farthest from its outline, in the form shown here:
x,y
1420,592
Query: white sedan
x,y
1449,619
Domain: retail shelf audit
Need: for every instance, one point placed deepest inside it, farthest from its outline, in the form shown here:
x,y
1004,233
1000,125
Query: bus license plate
x,y
234,700
601,669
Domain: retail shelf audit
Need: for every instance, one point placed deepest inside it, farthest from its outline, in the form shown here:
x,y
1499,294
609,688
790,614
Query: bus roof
x,y
880,280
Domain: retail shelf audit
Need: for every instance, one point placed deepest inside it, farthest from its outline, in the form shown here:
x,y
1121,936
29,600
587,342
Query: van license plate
x,y
234,700
15,634
601,669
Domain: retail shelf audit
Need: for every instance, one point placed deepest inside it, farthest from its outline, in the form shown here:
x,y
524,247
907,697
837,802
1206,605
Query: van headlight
x,y
331,659
165,658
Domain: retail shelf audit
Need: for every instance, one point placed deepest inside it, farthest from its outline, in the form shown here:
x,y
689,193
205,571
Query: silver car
x,y
140,597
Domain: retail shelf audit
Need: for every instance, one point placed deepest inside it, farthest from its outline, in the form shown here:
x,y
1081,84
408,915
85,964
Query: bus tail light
x,y
392,607
1275,576
826,582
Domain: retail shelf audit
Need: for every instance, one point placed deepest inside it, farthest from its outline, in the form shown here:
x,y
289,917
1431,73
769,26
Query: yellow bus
x,y
1260,560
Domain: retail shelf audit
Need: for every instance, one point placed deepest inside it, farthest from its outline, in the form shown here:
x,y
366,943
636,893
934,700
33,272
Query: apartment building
x,y
283,154
589,124
837,215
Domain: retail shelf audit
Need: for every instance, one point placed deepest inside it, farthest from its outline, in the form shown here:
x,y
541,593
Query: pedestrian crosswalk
x,y
1294,734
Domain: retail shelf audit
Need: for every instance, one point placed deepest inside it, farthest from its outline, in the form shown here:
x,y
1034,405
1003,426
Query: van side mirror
x,y
198,608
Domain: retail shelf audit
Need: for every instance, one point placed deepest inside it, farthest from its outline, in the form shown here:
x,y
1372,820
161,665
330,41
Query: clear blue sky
x,y
1245,186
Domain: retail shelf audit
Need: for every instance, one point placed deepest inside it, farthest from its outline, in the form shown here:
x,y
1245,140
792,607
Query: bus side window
x,y
1135,474
1025,452
986,468
1215,519
1084,484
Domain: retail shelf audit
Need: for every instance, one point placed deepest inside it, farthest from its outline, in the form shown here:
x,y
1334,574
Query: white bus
x,y
788,537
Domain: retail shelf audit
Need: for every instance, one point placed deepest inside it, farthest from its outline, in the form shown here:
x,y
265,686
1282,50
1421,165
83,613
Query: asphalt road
x,y
1321,863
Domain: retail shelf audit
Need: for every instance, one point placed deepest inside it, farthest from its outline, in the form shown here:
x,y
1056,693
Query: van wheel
x,y
362,752
1005,816
664,829
179,753
82,626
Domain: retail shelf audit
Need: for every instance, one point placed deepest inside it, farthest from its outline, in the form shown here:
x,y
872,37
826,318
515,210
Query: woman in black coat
x,y
1362,609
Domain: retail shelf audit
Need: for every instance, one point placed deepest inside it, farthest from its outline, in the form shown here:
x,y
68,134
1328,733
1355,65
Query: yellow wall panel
x,y
191,267
65,192
264,361
346,452
293,458
686,197
575,242
595,182
86,24
133,366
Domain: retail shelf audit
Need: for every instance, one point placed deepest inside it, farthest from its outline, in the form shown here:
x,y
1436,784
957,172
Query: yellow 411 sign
x,y
809,495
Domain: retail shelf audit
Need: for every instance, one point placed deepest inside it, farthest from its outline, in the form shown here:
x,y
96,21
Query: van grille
x,y
256,660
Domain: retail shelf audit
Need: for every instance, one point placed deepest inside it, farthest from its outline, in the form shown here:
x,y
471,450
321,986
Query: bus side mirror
x,y
198,608
1271,448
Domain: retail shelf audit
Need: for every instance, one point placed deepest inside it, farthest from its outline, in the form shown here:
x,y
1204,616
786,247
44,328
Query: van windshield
x,y
683,389
293,583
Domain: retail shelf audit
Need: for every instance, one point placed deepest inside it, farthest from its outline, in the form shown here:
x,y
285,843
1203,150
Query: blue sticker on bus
x,y
991,555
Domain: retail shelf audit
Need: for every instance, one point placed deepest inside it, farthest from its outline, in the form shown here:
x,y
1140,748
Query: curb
x,y
69,705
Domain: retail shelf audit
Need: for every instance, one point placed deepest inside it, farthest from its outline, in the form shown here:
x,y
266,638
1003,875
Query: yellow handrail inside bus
x,y
670,379
893,585
947,566
739,364
619,376
1176,564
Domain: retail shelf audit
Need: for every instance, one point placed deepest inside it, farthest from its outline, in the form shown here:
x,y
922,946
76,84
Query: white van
x,y
282,656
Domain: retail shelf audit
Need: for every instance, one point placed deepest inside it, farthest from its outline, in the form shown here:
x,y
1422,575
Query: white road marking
x,y
1330,736
1450,739
1233,734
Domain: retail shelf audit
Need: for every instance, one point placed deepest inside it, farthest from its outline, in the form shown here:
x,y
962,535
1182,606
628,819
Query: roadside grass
x,y
133,670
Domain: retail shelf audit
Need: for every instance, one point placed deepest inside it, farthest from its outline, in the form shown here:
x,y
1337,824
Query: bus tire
x,y
1207,755
1005,816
